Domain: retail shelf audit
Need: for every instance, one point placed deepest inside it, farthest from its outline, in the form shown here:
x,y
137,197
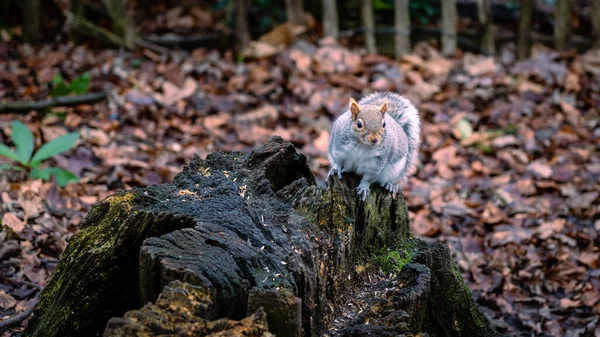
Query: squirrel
x,y
378,138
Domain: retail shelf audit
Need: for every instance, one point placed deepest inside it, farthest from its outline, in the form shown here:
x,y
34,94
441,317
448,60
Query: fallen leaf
x,y
569,303
492,214
6,301
546,229
540,169
478,65
13,222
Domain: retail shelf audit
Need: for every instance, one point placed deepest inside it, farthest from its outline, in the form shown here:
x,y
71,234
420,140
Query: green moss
x,y
394,260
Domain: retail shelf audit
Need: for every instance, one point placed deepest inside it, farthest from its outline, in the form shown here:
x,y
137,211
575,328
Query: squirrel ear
x,y
383,107
354,108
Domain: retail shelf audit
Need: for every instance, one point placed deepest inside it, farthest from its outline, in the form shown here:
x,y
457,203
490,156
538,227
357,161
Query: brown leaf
x,y
506,235
479,65
6,301
172,94
260,50
546,229
583,200
492,214
335,59
445,155
302,61
589,259
569,303
213,122
421,225
505,141
13,222
266,115
322,142
540,169
572,113
95,136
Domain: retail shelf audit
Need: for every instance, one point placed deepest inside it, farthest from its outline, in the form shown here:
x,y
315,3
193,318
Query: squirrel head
x,y
368,122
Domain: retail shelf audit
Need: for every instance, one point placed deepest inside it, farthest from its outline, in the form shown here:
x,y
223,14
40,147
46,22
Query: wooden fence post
x,y
369,23
524,38
596,23
562,26
402,27
31,21
330,18
294,11
449,21
484,10
241,25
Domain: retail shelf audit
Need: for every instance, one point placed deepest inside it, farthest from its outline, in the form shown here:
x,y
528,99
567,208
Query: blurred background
x,y
101,95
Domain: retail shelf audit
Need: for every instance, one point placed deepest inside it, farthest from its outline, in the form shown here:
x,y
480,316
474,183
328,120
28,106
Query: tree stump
x,y
248,245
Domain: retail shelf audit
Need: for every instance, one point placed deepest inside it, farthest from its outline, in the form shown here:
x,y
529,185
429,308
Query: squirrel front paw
x,y
335,170
394,188
362,190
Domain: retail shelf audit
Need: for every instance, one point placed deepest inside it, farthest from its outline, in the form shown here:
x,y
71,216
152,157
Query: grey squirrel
x,y
378,138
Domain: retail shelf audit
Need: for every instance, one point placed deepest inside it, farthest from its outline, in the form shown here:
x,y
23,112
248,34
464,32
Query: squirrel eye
x,y
359,124
383,125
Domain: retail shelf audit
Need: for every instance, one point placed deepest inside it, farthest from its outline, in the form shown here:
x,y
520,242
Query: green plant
x,y
27,160
79,85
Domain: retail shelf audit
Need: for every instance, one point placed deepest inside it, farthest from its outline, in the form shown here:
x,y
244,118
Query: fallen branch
x,y
18,318
24,107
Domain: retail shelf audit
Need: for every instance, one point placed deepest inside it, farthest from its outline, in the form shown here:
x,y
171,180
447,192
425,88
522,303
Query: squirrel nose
x,y
374,140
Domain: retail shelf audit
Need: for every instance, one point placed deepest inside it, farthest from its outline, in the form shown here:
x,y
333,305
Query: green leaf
x,y
62,176
136,63
40,173
81,84
5,151
60,90
60,86
23,139
55,146
10,167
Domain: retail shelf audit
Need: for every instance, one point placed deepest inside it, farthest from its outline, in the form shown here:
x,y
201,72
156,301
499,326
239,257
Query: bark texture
x,y
366,10
484,11
596,23
330,19
248,245
524,39
562,28
402,27
449,23
241,25
295,11
31,20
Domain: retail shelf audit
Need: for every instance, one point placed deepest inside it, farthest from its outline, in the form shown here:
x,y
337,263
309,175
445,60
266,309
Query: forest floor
x,y
509,171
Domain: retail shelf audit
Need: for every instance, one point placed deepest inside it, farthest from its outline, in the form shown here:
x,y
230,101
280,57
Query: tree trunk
x,y
524,39
31,21
596,23
294,10
562,28
236,233
241,25
366,10
449,23
402,27
484,10
330,19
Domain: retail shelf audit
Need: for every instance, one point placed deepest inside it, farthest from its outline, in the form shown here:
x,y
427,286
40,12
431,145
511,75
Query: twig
x,y
18,318
24,107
